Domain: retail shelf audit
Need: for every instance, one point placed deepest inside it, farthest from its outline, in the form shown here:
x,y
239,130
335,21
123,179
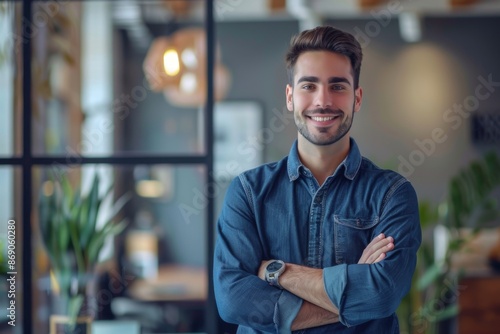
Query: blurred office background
x,y
102,97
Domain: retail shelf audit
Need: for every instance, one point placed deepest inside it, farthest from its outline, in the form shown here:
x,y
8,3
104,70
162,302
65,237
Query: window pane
x,y
10,78
101,82
10,252
156,264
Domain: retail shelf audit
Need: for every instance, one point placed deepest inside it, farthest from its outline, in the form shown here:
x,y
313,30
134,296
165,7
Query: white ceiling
x,y
132,15
259,9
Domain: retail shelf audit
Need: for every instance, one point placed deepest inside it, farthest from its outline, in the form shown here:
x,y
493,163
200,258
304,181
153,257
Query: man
x,y
322,241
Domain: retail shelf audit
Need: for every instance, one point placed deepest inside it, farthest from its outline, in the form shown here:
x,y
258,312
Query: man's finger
x,y
373,252
383,248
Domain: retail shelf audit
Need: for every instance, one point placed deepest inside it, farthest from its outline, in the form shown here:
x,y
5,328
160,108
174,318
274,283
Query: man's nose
x,y
323,98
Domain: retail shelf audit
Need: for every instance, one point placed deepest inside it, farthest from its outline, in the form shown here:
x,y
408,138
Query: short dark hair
x,y
325,38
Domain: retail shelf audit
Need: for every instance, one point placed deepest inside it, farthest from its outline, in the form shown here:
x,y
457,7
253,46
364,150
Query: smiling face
x,y
323,98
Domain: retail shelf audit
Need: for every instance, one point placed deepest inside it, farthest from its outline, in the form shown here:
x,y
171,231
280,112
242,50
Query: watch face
x,y
274,266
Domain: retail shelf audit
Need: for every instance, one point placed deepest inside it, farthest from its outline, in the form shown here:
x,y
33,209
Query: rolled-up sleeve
x,y
364,292
242,297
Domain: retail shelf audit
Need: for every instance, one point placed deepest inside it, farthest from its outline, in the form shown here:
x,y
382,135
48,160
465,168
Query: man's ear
x,y
289,98
358,98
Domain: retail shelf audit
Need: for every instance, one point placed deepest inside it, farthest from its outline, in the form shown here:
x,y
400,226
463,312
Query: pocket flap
x,y
357,223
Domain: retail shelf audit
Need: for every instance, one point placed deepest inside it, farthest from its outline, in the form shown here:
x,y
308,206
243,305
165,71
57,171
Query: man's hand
x,y
373,253
377,249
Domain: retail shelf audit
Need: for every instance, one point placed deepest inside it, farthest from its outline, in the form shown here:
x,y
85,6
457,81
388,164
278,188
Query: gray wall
x,y
408,89
254,53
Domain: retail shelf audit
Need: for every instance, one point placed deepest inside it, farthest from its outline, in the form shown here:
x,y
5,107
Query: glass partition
x,y
11,254
11,39
104,85
154,265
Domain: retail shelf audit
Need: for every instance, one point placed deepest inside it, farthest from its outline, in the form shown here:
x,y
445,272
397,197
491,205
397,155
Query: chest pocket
x,y
352,235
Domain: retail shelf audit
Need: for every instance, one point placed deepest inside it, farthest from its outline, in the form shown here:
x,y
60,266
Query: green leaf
x,y
426,255
95,246
63,235
67,196
75,241
68,221
492,162
456,201
488,212
428,214
46,209
84,211
481,178
119,204
93,208
447,313
456,244
98,239
429,276
63,278
74,306
466,192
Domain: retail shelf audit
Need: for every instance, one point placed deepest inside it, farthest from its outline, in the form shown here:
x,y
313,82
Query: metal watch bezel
x,y
273,277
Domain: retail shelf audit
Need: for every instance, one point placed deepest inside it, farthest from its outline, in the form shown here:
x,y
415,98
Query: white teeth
x,y
322,119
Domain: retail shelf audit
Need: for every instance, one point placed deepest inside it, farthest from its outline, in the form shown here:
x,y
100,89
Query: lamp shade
x,y
177,66
154,64
184,96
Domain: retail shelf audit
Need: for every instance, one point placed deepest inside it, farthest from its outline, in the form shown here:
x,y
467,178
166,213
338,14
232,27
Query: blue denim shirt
x,y
279,211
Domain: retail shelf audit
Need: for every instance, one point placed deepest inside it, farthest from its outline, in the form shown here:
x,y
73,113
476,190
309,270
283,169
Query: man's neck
x,y
322,161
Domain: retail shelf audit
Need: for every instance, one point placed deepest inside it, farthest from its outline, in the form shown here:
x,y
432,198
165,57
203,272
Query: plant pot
x,y
61,324
80,322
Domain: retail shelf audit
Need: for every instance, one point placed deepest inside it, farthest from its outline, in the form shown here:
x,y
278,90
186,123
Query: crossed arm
x,y
307,283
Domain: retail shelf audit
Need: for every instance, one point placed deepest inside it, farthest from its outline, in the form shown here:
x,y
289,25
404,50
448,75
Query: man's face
x,y
323,98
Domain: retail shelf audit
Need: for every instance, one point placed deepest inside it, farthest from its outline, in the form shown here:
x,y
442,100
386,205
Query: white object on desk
x,y
115,327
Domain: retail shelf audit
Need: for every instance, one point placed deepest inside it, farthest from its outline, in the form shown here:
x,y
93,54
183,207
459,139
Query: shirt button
x,y
318,199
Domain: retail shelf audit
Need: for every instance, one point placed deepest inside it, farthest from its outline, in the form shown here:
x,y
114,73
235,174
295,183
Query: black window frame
x,y
27,161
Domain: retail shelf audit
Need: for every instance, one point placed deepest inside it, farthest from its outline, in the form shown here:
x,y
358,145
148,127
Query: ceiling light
x,y
188,57
171,62
410,26
188,83
177,66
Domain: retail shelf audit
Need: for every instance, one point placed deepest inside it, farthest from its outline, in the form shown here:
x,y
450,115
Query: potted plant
x,y
73,240
470,204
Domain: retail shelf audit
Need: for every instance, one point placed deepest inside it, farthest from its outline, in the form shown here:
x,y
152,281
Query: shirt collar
x,y
351,163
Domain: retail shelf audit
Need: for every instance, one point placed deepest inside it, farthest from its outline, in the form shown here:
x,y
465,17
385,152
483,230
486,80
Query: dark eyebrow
x,y
330,80
307,79
338,80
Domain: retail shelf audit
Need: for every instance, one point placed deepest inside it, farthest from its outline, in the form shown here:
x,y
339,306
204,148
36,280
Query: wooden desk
x,y
174,283
479,304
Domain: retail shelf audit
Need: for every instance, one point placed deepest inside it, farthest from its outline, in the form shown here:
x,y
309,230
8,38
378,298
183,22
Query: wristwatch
x,y
273,271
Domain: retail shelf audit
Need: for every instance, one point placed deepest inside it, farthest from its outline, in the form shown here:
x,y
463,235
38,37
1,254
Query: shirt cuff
x,y
335,281
286,310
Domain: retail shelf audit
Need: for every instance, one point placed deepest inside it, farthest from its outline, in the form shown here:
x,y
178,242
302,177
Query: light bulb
x,y
171,62
188,83
189,58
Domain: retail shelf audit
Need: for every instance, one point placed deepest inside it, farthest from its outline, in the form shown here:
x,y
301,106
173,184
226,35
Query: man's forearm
x,y
311,315
307,283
